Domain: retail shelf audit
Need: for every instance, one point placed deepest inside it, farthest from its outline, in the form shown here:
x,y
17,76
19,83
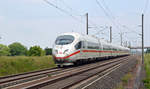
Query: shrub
x,y
36,51
148,50
17,49
4,50
147,68
19,64
48,51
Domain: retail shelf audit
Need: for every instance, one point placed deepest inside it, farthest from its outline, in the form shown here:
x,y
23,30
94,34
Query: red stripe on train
x,y
101,51
68,55
86,51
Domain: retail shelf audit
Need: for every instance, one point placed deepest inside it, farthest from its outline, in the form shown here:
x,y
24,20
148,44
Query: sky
x,y
34,22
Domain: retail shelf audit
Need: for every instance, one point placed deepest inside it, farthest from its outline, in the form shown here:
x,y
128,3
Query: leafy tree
x,y
4,50
48,51
17,49
148,50
36,51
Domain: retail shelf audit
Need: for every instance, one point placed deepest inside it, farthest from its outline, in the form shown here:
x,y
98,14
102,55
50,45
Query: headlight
x,y
65,51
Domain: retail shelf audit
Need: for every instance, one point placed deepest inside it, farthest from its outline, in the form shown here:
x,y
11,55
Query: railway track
x,y
18,78
11,80
65,78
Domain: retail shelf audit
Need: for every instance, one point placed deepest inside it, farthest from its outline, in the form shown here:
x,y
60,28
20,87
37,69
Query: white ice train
x,y
73,48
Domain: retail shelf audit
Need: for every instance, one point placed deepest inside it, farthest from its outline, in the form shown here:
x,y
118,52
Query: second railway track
x,y
11,80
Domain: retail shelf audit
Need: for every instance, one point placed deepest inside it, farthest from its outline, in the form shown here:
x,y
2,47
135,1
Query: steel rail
x,y
6,79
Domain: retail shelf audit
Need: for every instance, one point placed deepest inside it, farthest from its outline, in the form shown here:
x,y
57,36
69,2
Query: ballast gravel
x,y
111,80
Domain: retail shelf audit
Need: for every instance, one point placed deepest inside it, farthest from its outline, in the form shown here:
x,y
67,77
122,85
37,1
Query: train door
x,y
82,49
100,48
80,46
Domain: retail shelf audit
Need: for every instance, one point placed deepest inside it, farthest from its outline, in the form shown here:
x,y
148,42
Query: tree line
x,y
17,49
148,50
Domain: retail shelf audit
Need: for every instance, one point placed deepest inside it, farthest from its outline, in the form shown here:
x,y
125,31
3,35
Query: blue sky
x,y
34,22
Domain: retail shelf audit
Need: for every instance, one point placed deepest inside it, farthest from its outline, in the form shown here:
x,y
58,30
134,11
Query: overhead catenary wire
x,y
66,12
100,31
69,7
113,17
62,10
90,22
93,25
74,17
111,14
130,30
66,5
107,14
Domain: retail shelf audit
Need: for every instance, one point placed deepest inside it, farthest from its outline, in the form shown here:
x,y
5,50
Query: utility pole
x,y
110,34
87,24
142,38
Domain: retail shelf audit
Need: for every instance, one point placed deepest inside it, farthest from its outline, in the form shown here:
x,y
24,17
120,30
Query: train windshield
x,y
63,40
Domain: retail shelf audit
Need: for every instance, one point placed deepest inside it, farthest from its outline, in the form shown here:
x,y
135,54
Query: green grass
x,y
120,86
126,78
147,68
20,64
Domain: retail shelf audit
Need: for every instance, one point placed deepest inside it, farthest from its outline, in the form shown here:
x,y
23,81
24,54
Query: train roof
x,y
71,33
93,39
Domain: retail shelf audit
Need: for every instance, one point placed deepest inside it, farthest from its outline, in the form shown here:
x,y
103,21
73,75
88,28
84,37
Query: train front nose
x,y
60,55
62,48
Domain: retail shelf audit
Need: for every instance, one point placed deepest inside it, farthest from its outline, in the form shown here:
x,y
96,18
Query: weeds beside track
x,y
20,64
147,68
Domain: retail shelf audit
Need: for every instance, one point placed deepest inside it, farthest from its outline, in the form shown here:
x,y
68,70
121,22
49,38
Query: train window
x,y
93,45
106,47
63,40
78,45
83,44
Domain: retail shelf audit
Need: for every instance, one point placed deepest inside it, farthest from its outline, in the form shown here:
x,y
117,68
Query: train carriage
x,y
73,48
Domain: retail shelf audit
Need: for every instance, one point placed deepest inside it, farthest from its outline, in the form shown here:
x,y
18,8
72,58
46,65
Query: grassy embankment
x,y
125,79
19,64
147,68
146,80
